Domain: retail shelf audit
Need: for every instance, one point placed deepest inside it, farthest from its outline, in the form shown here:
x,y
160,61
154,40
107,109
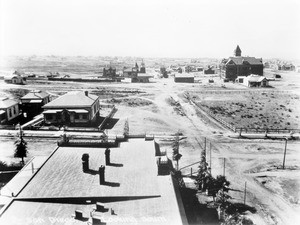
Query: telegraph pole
x,y
245,191
210,155
283,165
224,167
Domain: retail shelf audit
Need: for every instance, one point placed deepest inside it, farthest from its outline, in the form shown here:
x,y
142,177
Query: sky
x,y
151,28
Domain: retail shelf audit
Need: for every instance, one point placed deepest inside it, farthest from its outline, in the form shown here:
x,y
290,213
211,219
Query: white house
x,y
253,80
9,109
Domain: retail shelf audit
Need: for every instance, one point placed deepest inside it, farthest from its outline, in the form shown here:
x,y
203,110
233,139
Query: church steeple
x,y
237,51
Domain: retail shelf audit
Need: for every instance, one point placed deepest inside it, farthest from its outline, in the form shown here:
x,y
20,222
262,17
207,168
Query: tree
x,y
21,146
203,176
126,128
21,149
175,147
217,184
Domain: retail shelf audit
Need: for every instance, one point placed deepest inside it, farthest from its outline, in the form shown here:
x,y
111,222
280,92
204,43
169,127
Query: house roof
x,y
184,75
241,60
74,99
6,103
255,78
132,187
36,95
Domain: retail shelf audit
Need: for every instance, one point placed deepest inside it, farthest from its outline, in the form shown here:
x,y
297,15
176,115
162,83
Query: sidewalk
x,y
20,179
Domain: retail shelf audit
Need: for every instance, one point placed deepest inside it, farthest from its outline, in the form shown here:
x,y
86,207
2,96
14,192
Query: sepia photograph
x,y
150,112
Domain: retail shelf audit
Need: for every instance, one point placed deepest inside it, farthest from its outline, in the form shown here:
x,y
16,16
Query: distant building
x,y
9,110
209,70
143,67
73,108
288,67
32,102
109,72
130,72
15,78
184,78
253,80
239,65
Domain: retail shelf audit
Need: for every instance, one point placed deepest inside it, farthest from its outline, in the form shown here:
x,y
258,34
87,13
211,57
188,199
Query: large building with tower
x,y
239,65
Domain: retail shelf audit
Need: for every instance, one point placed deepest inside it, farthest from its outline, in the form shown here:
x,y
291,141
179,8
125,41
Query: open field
x,y
254,109
160,108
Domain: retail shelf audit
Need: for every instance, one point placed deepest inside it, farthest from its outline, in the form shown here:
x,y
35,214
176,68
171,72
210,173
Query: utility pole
x,y
224,167
205,146
245,191
210,155
283,165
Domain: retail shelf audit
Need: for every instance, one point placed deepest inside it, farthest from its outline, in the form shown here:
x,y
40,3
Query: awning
x,y
36,101
79,111
51,111
2,112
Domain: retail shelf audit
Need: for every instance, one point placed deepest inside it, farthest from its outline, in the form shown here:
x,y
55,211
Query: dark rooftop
x,y
132,189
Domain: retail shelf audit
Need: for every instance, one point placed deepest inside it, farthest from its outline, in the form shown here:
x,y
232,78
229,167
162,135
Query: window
x,y
95,109
15,110
49,117
9,113
76,116
84,116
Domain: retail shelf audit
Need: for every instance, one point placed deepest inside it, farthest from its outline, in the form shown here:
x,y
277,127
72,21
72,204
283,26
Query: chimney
x,y
102,174
78,214
107,156
85,162
86,93
96,221
99,207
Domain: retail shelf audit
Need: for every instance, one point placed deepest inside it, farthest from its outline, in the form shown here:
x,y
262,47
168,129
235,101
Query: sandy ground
x,y
159,108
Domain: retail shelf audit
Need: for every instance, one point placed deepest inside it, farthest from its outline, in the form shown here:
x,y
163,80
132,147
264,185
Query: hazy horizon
x,y
150,29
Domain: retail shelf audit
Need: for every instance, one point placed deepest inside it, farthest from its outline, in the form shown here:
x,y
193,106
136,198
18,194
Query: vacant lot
x,y
254,109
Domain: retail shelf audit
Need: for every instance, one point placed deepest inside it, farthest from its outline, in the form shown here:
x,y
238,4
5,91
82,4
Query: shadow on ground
x,y
197,213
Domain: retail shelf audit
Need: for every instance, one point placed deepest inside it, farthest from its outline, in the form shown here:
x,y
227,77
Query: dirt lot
x,y
254,109
159,108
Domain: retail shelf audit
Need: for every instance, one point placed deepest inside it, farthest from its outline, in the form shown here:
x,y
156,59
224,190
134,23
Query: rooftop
x,y
255,78
185,75
72,99
35,95
6,103
132,189
241,59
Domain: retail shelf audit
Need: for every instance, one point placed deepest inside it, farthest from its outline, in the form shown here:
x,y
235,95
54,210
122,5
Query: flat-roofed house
x,y
184,78
32,102
81,186
9,110
73,108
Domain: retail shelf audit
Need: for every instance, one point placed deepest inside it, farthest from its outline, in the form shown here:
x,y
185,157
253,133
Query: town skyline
x,y
151,29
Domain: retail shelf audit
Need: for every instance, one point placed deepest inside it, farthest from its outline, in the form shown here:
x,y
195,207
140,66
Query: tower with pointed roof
x,y
237,51
143,67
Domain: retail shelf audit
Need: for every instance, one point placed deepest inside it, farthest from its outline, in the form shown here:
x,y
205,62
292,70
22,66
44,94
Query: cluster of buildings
x,y
75,108
136,74
28,106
